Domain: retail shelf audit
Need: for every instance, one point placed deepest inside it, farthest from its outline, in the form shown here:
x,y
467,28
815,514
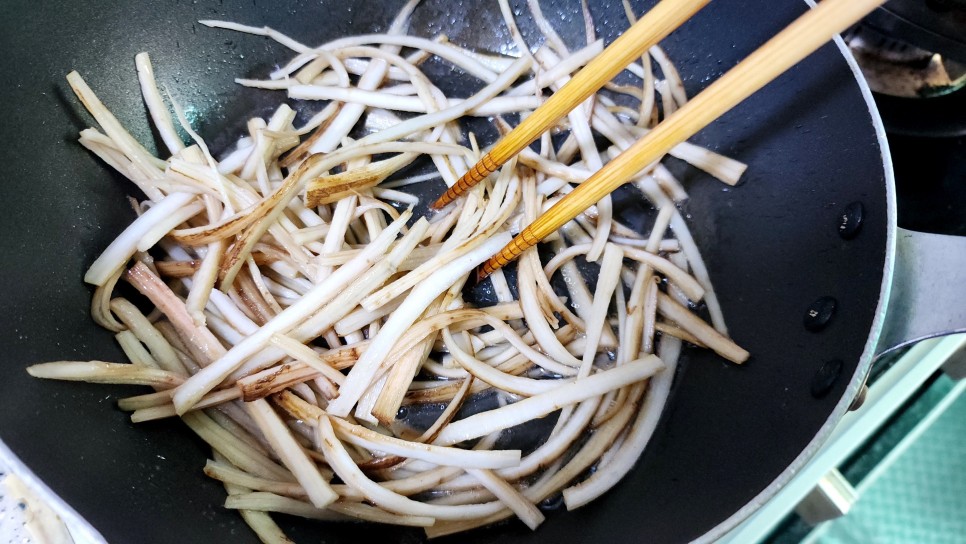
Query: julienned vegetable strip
x,y
299,310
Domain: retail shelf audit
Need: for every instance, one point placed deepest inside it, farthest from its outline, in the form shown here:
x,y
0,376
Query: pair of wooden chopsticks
x,y
784,50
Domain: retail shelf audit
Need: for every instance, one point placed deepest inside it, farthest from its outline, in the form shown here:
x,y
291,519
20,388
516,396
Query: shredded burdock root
x,y
300,308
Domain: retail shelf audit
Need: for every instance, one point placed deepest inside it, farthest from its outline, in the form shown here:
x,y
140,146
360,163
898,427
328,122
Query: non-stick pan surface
x,y
772,245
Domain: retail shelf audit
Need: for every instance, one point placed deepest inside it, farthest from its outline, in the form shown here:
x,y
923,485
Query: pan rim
x,y
868,353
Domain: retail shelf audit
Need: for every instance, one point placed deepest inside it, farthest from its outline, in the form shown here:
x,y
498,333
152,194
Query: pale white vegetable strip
x,y
223,187
679,277
307,356
158,405
513,499
550,74
156,107
307,235
579,293
394,196
107,151
225,472
349,298
607,281
361,511
494,62
269,502
324,61
148,165
671,75
360,317
271,84
690,249
410,180
123,247
668,104
160,349
291,453
159,229
347,470
295,64
203,345
644,72
226,307
533,313
553,39
630,451
379,99
341,217
602,438
317,119
556,445
358,66
672,187
446,51
515,34
335,311
102,372
511,336
382,401
260,522
694,290
262,501
540,405
203,282
484,67
210,376
264,145
665,246
650,317
134,350
724,168
370,80
258,31
507,382
484,96
238,452
439,455
233,161
447,414
701,330
401,89
232,418
365,370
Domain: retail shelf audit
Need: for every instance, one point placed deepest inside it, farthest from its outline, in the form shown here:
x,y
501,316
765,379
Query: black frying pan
x,y
729,435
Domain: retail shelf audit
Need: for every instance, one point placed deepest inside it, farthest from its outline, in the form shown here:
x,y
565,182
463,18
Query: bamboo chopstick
x,y
784,50
653,27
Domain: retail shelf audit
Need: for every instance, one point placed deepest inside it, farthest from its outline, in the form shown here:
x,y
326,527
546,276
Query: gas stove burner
x,y
895,68
913,55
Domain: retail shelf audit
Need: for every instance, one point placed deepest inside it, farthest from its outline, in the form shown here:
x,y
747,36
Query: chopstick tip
x,y
483,272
